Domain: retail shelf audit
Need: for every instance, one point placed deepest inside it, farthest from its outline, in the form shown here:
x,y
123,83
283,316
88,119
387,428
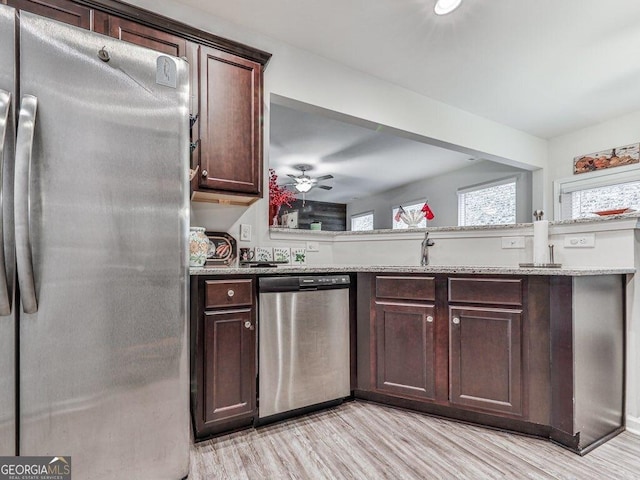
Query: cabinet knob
x,y
248,325
429,319
230,293
456,320
205,173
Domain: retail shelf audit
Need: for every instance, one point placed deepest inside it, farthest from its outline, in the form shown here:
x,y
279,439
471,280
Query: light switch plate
x,y
512,242
245,232
583,240
313,247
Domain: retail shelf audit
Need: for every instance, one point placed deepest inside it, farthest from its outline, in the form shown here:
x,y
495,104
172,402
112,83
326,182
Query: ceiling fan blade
x,y
324,187
291,175
324,177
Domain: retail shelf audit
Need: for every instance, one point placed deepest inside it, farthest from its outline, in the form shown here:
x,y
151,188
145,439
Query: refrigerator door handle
x,y
24,145
5,104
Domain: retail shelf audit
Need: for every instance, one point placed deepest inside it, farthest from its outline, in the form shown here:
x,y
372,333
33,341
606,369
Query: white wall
x,y
614,246
441,191
601,136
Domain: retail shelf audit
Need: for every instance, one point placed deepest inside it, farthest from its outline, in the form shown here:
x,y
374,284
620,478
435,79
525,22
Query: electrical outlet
x,y
313,247
512,242
585,240
245,232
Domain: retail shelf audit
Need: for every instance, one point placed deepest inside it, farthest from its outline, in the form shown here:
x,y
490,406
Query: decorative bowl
x,y
618,211
412,218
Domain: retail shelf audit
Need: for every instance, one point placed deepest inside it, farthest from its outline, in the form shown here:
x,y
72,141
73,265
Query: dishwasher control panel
x,y
325,280
294,283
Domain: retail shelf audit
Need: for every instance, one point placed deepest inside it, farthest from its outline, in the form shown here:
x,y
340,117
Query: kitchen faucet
x,y
426,243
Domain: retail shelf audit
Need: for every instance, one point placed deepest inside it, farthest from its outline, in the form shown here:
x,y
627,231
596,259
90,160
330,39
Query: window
x,y
362,221
597,191
413,207
488,204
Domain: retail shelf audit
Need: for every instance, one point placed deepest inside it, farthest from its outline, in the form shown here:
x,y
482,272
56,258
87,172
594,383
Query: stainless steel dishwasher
x,y
303,342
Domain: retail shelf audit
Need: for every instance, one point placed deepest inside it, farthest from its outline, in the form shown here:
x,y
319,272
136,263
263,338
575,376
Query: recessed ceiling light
x,y
446,6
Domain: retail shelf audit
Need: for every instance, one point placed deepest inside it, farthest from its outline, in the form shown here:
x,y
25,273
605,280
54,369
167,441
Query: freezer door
x,y
104,370
7,257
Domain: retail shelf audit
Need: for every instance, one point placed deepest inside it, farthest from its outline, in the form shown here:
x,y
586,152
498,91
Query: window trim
x,y
485,185
596,179
362,214
492,183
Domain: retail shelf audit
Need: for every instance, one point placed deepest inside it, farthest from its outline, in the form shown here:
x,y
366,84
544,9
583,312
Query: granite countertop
x,y
453,269
430,269
327,233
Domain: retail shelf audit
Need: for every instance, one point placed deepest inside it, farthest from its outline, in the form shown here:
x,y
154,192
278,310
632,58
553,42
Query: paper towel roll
x,y
541,241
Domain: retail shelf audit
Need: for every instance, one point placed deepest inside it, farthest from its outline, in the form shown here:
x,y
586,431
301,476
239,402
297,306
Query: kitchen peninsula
x,y
532,350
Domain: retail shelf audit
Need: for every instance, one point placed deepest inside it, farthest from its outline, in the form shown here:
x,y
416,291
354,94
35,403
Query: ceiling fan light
x,y
446,6
304,186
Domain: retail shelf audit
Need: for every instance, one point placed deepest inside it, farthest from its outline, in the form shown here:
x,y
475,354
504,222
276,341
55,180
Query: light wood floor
x,y
364,441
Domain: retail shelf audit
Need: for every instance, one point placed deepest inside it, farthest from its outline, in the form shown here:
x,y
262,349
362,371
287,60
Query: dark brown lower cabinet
x,y
229,366
541,355
223,354
405,354
485,358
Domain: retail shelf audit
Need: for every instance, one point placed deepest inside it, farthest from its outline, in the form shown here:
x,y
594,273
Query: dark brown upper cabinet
x,y
142,35
64,11
230,125
226,90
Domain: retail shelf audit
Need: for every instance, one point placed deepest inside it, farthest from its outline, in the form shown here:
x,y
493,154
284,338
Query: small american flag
x,y
398,213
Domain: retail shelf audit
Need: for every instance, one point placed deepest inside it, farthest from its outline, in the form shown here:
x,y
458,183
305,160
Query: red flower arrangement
x,y
279,195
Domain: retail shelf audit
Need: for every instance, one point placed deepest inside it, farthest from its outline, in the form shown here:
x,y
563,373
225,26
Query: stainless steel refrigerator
x,y
93,339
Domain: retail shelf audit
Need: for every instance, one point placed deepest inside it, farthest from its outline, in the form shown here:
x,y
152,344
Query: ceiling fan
x,y
303,182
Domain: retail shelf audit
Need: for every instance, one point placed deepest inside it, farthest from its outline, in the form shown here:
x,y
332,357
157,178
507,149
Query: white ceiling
x,y
545,67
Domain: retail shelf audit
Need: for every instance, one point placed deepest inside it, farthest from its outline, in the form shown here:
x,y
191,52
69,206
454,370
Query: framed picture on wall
x,y
614,157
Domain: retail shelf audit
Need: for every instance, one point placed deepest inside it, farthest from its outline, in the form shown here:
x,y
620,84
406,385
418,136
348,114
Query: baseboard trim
x,y
633,425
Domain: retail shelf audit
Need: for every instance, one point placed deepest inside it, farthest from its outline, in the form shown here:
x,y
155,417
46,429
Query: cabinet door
x,y
146,37
229,365
60,10
230,123
485,358
405,355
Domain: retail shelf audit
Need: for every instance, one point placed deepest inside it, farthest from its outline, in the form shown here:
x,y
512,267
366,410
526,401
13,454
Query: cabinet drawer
x,y
502,291
406,288
228,293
